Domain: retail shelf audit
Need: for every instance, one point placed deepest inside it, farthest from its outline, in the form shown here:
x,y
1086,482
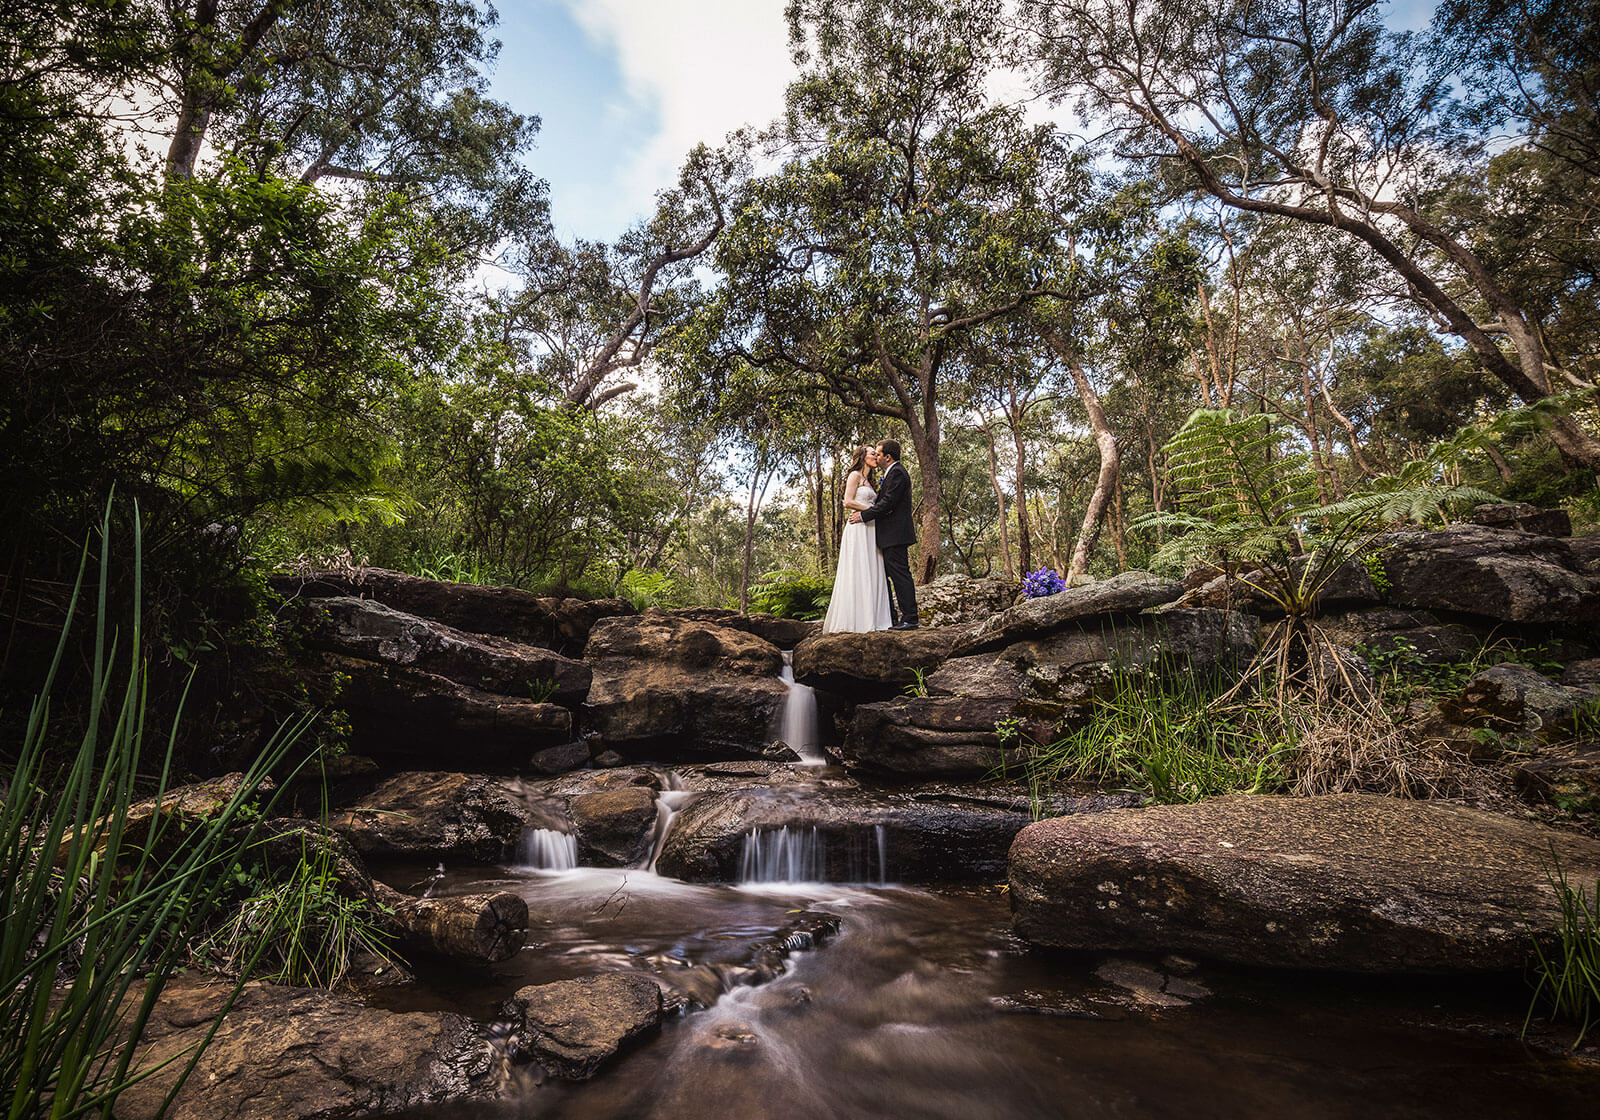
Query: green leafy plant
x,y
1254,505
649,589
541,690
1567,974
99,905
918,685
791,594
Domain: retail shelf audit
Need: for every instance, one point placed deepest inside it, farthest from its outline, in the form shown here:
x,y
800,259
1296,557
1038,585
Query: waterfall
x,y
545,849
668,802
800,855
798,723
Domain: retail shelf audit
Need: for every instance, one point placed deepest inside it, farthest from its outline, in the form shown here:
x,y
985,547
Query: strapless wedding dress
x,y
860,591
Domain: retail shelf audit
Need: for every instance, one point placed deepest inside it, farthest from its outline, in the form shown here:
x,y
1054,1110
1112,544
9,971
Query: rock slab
x,y
1352,882
573,1027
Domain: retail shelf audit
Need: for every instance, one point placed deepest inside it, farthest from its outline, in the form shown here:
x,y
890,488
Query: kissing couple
x,y
872,589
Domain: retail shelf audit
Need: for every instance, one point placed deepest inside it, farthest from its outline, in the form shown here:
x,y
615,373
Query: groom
x,y
892,512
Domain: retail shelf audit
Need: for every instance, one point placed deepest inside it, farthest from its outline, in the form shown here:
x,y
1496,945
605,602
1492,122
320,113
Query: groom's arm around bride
x,y
891,512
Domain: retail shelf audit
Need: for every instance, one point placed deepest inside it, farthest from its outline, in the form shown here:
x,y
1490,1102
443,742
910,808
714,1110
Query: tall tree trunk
x,y
1121,521
1107,479
1024,529
209,63
758,490
820,495
1000,502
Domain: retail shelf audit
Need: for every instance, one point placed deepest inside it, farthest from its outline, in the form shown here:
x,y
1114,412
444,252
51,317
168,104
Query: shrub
x,y
792,594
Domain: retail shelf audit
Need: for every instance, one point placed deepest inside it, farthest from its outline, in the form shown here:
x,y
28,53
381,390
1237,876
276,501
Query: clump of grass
x,y
1174,744
1567,974
98,906
1359,748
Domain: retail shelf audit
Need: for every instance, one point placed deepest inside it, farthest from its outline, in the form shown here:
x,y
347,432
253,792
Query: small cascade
x,y
797,725
545,849
800,855
671,798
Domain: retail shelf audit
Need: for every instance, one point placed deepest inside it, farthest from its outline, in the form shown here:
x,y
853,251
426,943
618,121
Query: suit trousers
x,y
902,592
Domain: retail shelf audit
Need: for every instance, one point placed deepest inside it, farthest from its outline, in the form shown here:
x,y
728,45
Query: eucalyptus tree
x,y
904,216
1312,110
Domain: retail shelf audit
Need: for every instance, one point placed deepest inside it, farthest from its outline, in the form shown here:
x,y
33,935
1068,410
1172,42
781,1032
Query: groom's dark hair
x,y
891,448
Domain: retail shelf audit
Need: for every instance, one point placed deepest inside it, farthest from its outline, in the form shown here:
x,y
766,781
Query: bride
x,y
860,591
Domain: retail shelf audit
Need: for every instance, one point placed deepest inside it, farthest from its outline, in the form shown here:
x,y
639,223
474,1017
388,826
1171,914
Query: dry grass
x,y
1355,747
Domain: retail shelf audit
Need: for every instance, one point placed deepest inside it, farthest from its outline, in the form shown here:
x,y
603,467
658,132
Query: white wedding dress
x,y
860,591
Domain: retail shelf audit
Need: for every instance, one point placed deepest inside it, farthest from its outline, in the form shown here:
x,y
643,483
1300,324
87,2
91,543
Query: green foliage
x,y
302,928
1567,975
919,683
1172,743
540,691
99,906
649,589
788,593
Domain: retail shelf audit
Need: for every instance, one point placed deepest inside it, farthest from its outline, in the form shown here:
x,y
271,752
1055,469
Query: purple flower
x,y
1046,581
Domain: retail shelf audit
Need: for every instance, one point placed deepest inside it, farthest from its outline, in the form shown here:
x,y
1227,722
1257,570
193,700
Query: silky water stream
x,y
925,1005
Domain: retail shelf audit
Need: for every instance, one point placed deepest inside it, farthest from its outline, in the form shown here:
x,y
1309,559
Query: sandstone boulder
x,y
668,687
1405,634
955,599
404,715
783,633
614,826
1351,882
1507,575
372,631
292,1054
938,833
1512,697
875,664
432,814
921,737
573,1027
1524,516
1124,593
1568,778
559,624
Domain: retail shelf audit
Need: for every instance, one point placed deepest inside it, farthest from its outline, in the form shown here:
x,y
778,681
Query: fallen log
x,y
474,927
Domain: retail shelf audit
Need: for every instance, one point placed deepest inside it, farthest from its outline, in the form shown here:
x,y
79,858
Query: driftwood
x,y
473,927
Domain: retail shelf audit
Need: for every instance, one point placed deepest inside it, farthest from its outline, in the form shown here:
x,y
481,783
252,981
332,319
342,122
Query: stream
x,y
925,1005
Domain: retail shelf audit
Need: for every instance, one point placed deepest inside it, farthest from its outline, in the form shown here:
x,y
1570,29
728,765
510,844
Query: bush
x,y
792,594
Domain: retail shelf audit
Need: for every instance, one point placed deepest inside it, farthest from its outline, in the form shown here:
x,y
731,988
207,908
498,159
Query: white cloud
x,y
706,67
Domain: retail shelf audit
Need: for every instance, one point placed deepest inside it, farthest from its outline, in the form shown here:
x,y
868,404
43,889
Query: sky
x,y
625,88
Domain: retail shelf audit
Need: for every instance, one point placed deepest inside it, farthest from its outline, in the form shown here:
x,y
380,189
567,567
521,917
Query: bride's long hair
x,y
859,463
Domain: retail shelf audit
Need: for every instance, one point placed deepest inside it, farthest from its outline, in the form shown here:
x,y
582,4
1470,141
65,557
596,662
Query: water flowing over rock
x,y
945,833
546,849
614,826
404,715
666,686
375,632
875,664
1124,593
432,814
287,1053
1352,882
573,1027
559,624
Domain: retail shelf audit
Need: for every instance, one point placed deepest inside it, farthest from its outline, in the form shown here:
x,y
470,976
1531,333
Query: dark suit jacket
x,y
892,509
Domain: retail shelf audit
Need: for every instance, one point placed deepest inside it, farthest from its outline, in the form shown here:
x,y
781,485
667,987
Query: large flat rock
x,y
1503,574
1124,593
1352,882
295,1054
573,1027
933,737
372,631
874,664
431,814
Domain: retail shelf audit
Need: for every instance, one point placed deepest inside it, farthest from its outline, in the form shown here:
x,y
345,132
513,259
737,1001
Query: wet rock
x,y
671,687
609,759
1512,697
434,814
1124,593
950,833
1524,516
372,631
559,624
937,737
783,633
558,760
955,599
404,715
1507,575
614,827
184,808
288,1053
1352,882
875,664
573,1027
1150,987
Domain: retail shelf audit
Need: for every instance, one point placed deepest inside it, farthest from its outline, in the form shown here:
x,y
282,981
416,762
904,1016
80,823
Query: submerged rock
x,y
287,1053
434,814
1351,882
573,1027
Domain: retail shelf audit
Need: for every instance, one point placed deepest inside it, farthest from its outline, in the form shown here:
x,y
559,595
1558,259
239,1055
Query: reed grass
x,y
1567,974
97,907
